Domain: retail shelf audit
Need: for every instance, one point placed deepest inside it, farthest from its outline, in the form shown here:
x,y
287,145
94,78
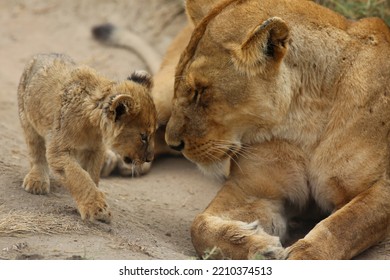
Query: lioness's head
x,y
229,89
131,118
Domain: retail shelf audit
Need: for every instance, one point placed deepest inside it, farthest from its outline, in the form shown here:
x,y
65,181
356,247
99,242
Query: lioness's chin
x,y
219,170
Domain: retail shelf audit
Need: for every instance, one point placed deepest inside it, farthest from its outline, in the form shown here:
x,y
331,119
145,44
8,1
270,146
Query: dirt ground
x,y
152,214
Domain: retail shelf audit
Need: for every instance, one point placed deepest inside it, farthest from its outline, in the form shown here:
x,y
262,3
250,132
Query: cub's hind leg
x,y
37,180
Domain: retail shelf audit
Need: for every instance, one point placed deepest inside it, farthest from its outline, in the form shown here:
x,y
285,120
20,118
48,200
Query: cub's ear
x,y
266,44
142,77
197,9
122,105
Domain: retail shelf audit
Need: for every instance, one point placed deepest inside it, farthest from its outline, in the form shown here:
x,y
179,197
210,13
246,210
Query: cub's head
x,y
229,90
131,119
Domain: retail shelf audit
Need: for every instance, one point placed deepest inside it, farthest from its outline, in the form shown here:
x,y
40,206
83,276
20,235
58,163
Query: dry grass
x,y
356,9
17,223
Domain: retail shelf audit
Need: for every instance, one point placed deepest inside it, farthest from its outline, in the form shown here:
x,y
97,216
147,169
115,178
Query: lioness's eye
x,y
144,138
197,95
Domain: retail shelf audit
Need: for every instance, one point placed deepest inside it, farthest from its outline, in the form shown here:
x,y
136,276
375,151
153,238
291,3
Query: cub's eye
x,y
144,138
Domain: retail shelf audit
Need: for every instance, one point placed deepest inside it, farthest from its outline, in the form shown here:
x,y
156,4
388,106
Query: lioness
x,y
296,99
69,114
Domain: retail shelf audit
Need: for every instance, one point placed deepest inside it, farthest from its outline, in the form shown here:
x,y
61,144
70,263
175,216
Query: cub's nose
x,y
178,147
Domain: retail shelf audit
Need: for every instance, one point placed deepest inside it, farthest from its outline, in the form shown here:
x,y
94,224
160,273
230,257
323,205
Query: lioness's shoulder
x,y
372,28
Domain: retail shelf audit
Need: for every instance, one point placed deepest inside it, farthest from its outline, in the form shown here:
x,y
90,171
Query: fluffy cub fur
x,y
70,115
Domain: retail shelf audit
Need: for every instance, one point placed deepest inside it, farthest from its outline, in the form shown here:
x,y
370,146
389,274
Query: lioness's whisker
x,y
223,149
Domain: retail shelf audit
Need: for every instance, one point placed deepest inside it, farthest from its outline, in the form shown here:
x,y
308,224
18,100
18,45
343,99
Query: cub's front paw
x,y
36,183
95,208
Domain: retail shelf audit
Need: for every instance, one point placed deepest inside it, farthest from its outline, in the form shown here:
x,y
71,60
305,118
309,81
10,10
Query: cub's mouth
x,y
147,158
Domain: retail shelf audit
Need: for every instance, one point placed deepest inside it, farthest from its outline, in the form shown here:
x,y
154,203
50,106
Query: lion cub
x,y
70,114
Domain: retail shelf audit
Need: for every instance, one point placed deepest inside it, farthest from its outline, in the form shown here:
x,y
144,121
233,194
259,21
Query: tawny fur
x,y
296,99
70,115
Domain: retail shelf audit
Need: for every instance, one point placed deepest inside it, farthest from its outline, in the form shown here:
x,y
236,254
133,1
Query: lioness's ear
x,y
122,105
266,43
197,9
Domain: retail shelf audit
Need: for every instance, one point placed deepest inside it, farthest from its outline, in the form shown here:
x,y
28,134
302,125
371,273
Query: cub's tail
x,y
122,38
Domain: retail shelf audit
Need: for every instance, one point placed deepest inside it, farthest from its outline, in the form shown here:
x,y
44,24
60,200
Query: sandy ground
x,y
152,214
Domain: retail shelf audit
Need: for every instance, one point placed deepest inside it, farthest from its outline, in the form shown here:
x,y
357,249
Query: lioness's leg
x,y
90,200
248,216
236,227
360,224
37,180
349,178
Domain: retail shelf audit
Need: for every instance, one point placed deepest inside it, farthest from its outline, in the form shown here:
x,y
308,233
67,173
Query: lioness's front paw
x,y
275,253
95,209
36,183
265,246
302,250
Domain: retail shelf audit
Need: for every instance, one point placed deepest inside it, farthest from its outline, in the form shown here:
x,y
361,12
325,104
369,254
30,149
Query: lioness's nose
x,y
178,147
174,131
